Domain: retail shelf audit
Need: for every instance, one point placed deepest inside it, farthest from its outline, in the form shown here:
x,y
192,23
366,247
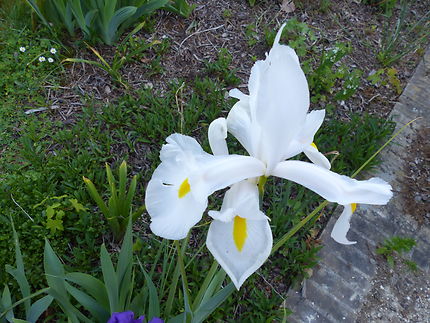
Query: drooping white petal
x,y
342,225
172,217
177,193
256,247
241,199
316,157
334,187
217,134
279,99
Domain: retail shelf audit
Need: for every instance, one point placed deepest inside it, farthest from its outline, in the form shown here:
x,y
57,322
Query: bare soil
x,y
398,295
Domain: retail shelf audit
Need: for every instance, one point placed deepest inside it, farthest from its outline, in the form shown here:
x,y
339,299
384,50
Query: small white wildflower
x,y
50,60
22,49
42,59
53,50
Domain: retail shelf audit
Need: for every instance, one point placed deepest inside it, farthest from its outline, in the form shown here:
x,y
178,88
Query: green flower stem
x,y
261,183
182,267
297,227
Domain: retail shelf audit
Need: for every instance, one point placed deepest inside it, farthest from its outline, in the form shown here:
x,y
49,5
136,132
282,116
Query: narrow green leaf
x,y
89,303
38,308
6,301
154,303
122,189
207,308
36,9
54,272
214,286
20,271
125,264
110,279
118,18
79,15
5,311
96,197
205,285
92,285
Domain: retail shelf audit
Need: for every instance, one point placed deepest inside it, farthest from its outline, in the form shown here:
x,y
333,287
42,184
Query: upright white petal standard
x,y
334,187
275,110
217,134
176,196
240,238
279,96
342,225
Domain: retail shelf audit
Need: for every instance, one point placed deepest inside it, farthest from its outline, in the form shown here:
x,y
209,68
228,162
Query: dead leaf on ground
x,y
288,6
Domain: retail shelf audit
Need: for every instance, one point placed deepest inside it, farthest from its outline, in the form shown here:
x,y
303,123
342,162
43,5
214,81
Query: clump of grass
x,y
397,246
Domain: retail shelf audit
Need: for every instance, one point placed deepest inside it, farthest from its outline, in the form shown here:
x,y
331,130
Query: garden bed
x,y
177,73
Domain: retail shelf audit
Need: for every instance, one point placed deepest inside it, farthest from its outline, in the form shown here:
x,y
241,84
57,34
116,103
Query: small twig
x,y
198,32
21,208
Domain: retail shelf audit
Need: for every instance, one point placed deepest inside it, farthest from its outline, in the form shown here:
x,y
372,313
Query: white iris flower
x,y
273,124
42,59
22,49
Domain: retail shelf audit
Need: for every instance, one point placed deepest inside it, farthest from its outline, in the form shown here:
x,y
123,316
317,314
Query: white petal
x,y
217,134
279,96
171,217
240,126
184,162
237,94
342,226
241,199
316,157
334,187
305,137
239,265
314,120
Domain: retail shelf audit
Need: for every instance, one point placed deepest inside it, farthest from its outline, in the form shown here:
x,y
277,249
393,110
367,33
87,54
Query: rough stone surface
x,y
352,283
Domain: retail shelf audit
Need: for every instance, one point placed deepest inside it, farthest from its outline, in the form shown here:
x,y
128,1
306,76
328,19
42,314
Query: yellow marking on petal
x,y
239,232
315,146
353,207
184,189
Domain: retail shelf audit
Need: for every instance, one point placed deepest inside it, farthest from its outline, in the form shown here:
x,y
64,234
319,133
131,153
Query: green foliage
x,y
101,20
221,68
405,37
325,76
119,209
251,35
355,141
180,7
32,310
397,245
296,34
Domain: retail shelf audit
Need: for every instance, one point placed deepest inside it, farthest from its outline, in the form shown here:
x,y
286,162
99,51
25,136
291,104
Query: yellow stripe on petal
x,y
315,146
184,189
353,207
239,232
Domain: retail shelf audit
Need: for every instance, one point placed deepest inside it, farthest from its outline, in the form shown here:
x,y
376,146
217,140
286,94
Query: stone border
x,y
342,279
